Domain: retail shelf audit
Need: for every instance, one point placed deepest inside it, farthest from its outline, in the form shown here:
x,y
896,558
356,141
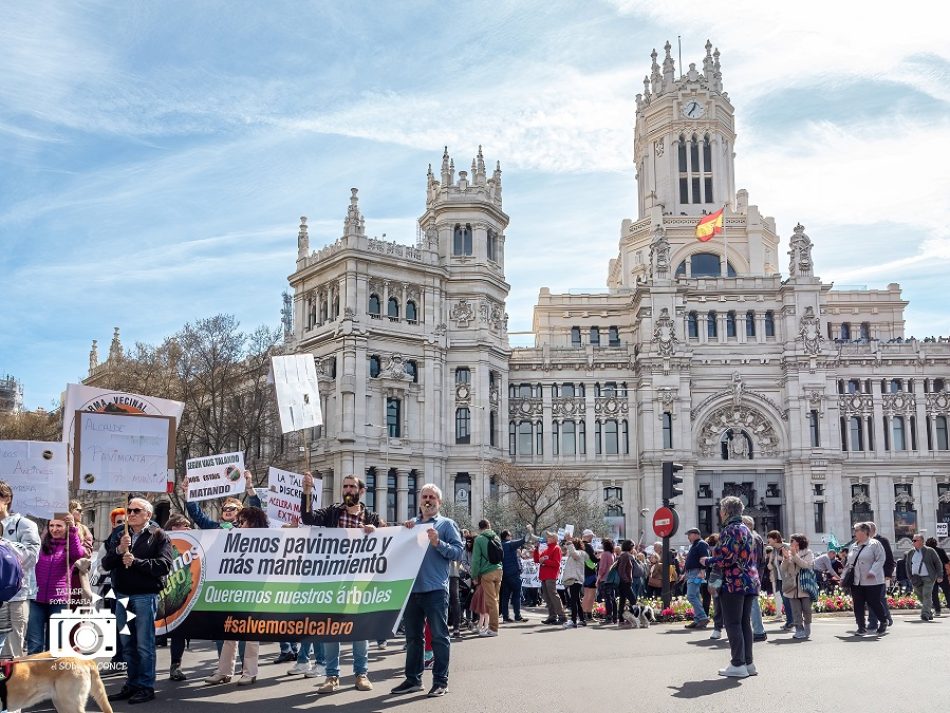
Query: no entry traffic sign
x,y
665,522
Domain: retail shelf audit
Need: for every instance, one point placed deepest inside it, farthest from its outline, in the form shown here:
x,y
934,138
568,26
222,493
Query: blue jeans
x,y
360,657
786,605
693,586
319,652
432,607
138,646
758,628
511,592
288,647
37,629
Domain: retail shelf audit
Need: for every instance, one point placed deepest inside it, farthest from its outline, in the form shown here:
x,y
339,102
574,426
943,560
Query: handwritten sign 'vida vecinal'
x,y
217,476
36,472
122,452
333,584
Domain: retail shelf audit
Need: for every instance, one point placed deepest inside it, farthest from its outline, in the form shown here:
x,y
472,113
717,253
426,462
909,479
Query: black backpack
x,y
494,550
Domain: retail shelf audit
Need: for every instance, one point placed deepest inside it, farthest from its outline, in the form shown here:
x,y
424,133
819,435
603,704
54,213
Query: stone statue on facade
x,y
738,446
664,334
736,389
660,254
810,332
800,262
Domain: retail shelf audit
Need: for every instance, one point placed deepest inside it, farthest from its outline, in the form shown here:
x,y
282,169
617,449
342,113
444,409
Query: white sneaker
x,y
298,668
316,671
569,624
716,634
750,667
734,671
488,632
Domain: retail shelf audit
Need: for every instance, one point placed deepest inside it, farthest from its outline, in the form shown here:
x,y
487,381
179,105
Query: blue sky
x,y
155,156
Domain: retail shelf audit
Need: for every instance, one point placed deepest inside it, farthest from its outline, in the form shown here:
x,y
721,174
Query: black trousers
x,y
627,599
574,600
870,597
945,586
737,617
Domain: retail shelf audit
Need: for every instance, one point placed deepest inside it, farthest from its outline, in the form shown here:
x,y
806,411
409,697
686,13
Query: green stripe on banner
x,y
303,598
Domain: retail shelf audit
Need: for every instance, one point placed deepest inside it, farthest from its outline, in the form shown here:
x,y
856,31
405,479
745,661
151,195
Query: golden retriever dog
x,y
67,681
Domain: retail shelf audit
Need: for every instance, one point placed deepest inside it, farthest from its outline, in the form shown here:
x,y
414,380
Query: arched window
x,y
463,425
595,336
311,312
512,438
683,171
373,366
846,331
896,386
463,375
613,336
411,313
897,427
462,239
683,168
769,323
324,311
568,438
750,323
694,156
394,417
412,368
492,245
391,495
730,324
865,332
667,430
704,265
692,325
707,171
525,439
392,308
943,442
336,307
857,434
575,336
712,329
611,437
374,305
413,500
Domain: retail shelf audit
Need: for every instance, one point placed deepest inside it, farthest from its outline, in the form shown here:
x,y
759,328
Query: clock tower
x,y
685,132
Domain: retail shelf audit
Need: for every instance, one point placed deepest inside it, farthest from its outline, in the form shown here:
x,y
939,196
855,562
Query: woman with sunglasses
x,y
53,588
249,517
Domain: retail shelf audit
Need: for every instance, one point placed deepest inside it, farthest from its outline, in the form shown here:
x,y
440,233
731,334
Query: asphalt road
x,y
533,668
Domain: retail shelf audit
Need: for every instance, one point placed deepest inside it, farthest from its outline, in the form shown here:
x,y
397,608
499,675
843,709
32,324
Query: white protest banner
x,y
280,585
569,531
285,490
216,476
529,574
121,452
942,529
298,395
36,471
89,398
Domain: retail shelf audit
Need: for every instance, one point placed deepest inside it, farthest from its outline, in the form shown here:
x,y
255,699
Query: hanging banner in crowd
x,y
333,584
36,472
122,452
89,398
298,395
213,477
529,574
284,491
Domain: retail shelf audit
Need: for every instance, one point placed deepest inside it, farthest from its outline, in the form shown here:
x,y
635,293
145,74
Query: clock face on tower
x,y
693,110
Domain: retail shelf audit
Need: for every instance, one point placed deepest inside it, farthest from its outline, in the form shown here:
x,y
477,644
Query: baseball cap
x,y
693,531
587,532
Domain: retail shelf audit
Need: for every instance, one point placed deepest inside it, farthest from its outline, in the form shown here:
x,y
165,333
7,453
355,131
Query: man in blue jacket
x,y
429,599
511,576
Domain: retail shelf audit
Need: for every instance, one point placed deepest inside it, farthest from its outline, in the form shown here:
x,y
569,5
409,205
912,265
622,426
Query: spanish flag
x,y
710,226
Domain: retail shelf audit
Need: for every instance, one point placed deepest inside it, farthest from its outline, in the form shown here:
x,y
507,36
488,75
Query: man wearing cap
x,y
695,575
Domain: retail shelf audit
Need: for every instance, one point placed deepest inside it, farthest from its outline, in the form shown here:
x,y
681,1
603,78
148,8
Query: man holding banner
x,y
139,555
429,600
351,513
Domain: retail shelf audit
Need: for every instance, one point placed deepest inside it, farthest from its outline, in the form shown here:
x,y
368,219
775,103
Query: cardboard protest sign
x,y
569,531
36,471
530,571
122,452
284,492
281,585
89,398
217,476
298,395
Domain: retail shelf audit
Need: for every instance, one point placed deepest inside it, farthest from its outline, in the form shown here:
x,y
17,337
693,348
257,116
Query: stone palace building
x,y
806,401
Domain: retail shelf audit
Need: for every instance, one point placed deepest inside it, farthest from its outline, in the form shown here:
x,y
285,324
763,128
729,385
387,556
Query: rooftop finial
x,y
717,72
479,172
669,68
303,239
708,62
353,225
94,356
115,349
446,177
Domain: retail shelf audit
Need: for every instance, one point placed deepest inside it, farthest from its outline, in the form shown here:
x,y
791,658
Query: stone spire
x,y
496,181
669,68
446,175
354,225
303,240
478,172
655,77
708,62
94,356
115,349
451,171
717,72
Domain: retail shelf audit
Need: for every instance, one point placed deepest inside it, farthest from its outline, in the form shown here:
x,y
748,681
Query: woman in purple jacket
x,y
53,581
736,556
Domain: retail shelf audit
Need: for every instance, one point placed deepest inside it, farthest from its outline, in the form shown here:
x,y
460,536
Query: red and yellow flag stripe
x,y
710,226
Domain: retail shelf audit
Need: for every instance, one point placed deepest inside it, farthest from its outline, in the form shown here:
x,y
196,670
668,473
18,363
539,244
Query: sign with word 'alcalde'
x,y
283,585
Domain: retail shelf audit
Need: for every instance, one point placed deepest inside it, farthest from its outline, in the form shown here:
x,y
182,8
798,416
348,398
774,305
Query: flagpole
x,y
725,245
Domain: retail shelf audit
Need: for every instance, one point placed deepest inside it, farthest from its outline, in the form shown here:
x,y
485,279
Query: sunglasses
x,y
119,522
230,508
134,511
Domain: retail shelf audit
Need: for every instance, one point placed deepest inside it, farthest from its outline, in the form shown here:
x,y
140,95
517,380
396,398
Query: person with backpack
x,y
22,537
487,557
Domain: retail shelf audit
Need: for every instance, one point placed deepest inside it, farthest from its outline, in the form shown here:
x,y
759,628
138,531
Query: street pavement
x,y
531,668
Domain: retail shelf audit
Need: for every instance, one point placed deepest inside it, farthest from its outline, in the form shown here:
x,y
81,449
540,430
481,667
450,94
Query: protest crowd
x,y
470,584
